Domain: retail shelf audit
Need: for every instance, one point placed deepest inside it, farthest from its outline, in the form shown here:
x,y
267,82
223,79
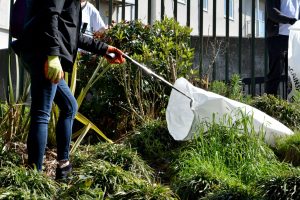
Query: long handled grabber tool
x,y
149,71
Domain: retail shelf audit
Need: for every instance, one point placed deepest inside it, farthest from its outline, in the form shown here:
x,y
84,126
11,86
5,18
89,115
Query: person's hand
x,y
292,21
118,58
53,69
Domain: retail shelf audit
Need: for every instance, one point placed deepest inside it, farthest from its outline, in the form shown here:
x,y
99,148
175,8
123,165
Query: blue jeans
x,y
43,94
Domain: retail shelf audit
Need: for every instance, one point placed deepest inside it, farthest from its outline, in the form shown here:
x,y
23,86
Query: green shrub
x,y
8,156
233,90
224,155
81,190
126,94
20,183
153,140
233,192
281,187
118,183
117,154
286,113
288,149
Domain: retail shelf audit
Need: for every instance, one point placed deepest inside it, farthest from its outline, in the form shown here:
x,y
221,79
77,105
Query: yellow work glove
x,y
53,69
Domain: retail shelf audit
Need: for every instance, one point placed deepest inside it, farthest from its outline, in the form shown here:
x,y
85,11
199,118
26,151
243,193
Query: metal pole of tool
x,y
149,71
155,75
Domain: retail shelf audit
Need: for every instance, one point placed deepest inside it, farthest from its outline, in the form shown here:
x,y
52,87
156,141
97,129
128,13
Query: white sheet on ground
x,y
184,116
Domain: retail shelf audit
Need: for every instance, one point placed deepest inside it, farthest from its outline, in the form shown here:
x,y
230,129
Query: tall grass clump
x,y
233,90
225,156
8,155
118,183
152,140
154,143
20,183
285,112
288,148
281,187
117,154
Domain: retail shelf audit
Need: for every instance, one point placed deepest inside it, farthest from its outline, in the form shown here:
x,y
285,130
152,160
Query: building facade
x,y
194,14
156,10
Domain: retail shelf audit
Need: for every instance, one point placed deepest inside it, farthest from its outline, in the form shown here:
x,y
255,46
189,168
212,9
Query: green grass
x,y
21,183
223,157
117,154
288,149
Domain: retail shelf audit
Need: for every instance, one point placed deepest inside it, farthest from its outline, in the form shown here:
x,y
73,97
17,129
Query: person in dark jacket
x,y
48,48
280,15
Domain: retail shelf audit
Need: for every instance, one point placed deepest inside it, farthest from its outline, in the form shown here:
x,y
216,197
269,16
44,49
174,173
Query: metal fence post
x,y
123,10
136,9
162,9
240,34
175,9
214,36
149,12
110,8
200,37
253,89
227,43
188,13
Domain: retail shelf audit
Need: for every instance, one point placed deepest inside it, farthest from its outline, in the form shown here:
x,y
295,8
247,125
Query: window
x,y
231,10
205,5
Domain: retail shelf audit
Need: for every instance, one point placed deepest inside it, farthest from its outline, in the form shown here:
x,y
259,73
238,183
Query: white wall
x,y
207,15
4,23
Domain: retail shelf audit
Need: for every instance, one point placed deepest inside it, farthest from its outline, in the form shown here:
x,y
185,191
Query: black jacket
x,y
53,28
274,17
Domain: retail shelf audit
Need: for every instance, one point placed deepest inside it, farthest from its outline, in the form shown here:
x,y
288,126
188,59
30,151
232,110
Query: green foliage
x,y
80,190
21,183
118,183
153,141
128,95
233,192
233,90
285,112
281,187
288,148
117,154
8,155
218,87
225,155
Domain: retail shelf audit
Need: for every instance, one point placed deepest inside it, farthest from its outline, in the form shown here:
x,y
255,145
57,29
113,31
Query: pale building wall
x,y
4,23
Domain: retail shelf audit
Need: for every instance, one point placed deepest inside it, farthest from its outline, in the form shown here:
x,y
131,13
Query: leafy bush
x,y
80,190
225,155
288,149
20,183
153,141
281,187
286,113
126,94
118,183
8,155
117,154
233,90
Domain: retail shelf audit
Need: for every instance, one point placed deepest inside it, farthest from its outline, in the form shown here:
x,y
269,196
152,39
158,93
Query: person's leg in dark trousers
x,y
43,93
68,107
277,48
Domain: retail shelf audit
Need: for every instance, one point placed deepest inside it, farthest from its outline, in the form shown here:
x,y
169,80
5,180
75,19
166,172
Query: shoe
x,y
63,173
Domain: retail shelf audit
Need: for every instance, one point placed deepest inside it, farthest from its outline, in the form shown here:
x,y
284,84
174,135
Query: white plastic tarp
x,y
184,116
294,58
